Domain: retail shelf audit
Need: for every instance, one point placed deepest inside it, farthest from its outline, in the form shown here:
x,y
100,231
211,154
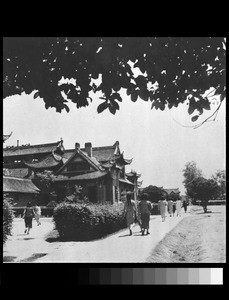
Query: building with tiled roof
x,y
99,170
20,190
172,193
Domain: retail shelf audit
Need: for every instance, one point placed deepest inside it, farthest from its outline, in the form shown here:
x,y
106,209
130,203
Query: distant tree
x,y
173,196
205,190
173,69
8,216
155,193
220,178
75,195
44,181
191,173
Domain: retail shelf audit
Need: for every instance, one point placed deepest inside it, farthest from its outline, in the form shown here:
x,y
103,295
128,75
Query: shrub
x,y
52,204
47,211
83,221
8,217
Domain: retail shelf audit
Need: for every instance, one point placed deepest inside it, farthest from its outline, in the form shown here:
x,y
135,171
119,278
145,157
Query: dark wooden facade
x,y
99,170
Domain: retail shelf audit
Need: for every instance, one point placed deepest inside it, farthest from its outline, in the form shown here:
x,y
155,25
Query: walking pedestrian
x,y
170,207
37,211
162,206
129,211
185,206
178,207
174,207
138,215
28,215
144,209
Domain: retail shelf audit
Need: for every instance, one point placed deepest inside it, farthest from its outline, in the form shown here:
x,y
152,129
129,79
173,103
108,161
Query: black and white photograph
x,y
114,149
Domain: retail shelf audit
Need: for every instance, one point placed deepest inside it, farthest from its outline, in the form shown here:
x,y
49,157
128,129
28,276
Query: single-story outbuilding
x,y
20,190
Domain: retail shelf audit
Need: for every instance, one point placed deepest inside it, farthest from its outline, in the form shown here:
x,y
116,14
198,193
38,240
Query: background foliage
x,y
8,217
172,69
200,188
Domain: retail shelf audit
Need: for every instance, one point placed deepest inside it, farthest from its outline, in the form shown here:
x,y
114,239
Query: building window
x,y
17,161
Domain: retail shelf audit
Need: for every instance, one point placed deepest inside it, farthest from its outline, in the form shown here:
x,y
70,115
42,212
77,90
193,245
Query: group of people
x,y
29,213
172,207
139,211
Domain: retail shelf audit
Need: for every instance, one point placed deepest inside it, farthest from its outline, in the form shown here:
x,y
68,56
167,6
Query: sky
x,y
157,140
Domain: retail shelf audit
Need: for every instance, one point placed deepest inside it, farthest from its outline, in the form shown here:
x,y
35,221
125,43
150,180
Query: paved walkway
x,y
118,247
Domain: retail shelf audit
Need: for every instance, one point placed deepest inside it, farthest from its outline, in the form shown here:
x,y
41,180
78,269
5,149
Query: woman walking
x,y
144,209
129,211
178,207
170,207
37,211
185,206
162,205
174,207
28,215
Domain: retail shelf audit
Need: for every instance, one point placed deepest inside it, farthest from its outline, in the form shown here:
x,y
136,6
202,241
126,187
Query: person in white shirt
x,y
178,207
163,206
129,211
37,211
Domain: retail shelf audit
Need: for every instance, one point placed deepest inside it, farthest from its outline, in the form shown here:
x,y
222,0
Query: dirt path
x,y
118,247
198,238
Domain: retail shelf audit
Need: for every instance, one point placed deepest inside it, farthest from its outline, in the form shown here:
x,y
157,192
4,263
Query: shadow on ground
x,y
124,235
33,257
53,236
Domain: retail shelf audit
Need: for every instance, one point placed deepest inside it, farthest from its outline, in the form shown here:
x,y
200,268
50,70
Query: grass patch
x,y
197,238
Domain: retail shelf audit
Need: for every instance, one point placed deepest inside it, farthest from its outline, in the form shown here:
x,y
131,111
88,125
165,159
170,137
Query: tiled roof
x,y
100,153
48,162
131,174
6,136
19,173
20,185
87,176
169,191
107,165
29,149
91,160
126,181
103,153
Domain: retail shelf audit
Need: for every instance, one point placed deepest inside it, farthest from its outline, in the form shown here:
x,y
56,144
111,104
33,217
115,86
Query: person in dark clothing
x,y
174,207
144,209
185,206
28,215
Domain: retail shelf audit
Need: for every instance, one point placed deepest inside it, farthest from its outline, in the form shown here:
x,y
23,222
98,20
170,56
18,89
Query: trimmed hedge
x,y
83,221
8,217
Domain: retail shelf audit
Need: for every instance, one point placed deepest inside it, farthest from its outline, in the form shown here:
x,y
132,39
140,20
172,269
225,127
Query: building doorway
x,y
92,194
